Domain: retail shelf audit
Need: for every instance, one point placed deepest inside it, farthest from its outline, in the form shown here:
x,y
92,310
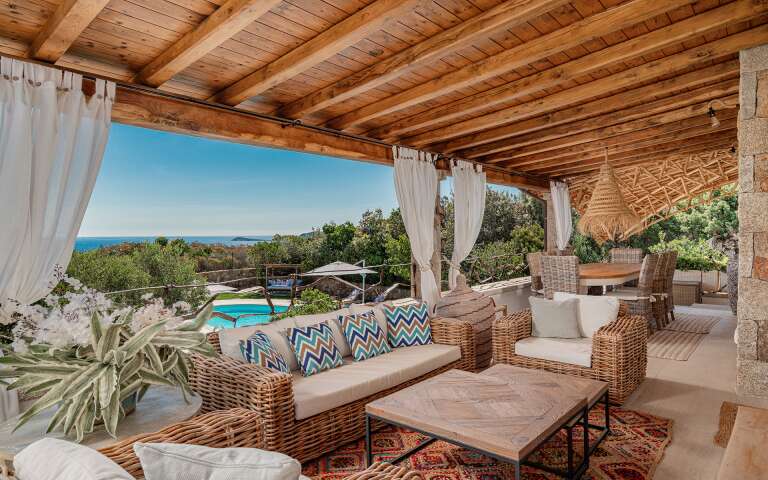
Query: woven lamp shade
x,y
607,215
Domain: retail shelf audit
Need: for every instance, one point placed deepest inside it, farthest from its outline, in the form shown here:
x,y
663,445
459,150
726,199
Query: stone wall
x,y
753,223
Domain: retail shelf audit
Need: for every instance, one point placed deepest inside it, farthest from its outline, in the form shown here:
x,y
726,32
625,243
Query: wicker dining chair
x,y
669,280
534,267
560,274
660,305
626,255
639,300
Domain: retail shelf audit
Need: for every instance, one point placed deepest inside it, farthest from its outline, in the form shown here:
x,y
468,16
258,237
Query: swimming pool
x,y
254,314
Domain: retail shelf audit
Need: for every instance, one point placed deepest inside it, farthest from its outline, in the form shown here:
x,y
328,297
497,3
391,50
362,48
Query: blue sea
x,y
83,244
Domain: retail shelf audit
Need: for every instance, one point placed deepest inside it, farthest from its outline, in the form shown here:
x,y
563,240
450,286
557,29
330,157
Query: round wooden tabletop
x,y
601,274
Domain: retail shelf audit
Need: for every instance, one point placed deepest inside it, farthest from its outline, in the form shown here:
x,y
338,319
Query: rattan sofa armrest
x,y
225,383
452,331
621,345
222,429
509,330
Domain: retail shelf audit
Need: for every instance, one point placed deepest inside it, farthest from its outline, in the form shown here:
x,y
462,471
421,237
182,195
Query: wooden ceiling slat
x,y
228,20
574,34
402,130
324,45
585,92
62,29
430,50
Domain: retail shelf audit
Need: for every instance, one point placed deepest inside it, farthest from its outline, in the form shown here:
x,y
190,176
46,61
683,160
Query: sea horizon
x,y
85,243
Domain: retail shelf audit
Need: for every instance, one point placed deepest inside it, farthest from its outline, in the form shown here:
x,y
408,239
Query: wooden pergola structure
x,y
531,89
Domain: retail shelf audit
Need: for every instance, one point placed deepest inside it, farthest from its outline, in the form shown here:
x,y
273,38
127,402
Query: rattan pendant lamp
x,y
607,216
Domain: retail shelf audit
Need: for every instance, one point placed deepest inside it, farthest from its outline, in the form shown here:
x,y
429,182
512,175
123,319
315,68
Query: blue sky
x,y
157,183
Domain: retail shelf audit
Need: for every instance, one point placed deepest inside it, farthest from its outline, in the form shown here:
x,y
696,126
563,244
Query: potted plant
x,y
95,360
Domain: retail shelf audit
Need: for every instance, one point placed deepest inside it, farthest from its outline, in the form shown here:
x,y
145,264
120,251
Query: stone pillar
x,y
752,377
550,244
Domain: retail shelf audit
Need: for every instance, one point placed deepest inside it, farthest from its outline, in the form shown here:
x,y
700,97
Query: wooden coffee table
x,y
501,413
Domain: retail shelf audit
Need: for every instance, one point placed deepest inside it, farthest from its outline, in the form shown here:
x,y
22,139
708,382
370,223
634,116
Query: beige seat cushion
x,y
576,351
355,380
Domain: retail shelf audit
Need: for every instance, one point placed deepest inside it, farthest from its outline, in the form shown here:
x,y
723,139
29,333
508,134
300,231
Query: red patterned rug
x,y
632,452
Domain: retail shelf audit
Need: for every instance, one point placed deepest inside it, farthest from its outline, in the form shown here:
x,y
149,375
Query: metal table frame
x,y
572,473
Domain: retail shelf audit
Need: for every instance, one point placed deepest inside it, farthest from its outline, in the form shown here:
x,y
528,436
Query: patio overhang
x,y
532,90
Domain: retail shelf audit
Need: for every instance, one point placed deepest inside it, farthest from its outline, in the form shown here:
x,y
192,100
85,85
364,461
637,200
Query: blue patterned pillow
x,y
314,348
365,337
408,325
258,350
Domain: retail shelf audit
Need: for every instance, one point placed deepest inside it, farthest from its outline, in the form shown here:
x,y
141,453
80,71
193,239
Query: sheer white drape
x,y
469,206
561,204
52,140
416,187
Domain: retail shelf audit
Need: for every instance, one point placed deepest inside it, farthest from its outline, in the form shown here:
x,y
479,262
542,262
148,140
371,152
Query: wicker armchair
x,y
626,255
534,267
225,383
224,429
619,352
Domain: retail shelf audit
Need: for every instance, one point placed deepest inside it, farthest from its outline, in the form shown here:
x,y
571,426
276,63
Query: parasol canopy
x,y
607,214
338,269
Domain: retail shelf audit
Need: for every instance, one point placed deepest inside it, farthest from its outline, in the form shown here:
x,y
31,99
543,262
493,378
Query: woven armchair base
x,y
384,471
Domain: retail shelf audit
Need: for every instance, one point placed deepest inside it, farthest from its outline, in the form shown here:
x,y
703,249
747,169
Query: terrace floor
x,y
691,393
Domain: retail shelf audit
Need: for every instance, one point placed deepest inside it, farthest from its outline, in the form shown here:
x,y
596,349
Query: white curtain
x,y
416,186
469,206
561,204
52,139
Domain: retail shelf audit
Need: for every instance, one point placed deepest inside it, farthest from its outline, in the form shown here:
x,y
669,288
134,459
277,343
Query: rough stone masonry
x,y
753,223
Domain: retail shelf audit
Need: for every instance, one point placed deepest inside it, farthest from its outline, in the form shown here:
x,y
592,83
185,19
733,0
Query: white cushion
x,y
331,317
53,459
355,380
168,461
229,339
576,351
594,311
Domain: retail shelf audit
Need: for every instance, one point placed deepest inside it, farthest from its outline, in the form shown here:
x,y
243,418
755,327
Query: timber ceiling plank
x,y
316,50
62,29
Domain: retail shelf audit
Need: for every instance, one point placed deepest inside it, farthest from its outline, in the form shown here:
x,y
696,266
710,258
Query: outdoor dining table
x,y
607,274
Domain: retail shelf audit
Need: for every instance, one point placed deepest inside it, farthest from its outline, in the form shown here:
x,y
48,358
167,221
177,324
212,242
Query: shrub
x,y
693,254
106,272
312,302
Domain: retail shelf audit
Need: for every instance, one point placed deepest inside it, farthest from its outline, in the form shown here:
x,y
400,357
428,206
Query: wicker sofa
x,y
293,427
618,354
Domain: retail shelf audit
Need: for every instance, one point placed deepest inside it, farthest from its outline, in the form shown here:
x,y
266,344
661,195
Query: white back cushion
x,y
594,311
331,318
229,338
168,461
53,459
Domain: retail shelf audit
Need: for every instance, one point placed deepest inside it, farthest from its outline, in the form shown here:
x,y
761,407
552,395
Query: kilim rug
x,y
692,323
632,452
673,345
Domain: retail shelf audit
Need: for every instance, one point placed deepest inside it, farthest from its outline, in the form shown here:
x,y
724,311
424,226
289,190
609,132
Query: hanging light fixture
x,y
713,120
607,215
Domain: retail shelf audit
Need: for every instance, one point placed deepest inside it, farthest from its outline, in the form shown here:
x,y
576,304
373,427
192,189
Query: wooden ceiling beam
x,y
328,43
505,15
220,26
572,35
62,29
624,106
620,127
633,48
719,140
625,79
596,151
161,112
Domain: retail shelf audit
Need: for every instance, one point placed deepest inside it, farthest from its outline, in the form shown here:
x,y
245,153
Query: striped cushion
x,y
258,349
408,325
364,335
314,348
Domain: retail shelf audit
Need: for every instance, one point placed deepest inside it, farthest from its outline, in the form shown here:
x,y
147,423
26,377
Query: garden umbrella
x,y
337,269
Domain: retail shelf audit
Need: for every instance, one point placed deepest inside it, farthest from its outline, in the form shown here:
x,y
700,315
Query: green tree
x,y
106,272
166,267
399,252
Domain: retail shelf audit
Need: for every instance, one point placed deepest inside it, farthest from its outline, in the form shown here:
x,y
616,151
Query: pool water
x,y
246,314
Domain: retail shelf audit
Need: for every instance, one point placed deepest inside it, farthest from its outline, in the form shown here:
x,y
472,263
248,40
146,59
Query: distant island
x,y
246,239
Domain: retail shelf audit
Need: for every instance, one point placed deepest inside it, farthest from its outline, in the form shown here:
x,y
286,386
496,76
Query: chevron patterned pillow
x,y
408,325
314,348
365,337
258,349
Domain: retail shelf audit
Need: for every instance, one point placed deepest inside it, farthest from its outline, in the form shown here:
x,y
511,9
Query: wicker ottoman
x,y
686,292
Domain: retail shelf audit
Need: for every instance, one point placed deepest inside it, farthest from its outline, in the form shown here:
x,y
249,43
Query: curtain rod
x,y
286,122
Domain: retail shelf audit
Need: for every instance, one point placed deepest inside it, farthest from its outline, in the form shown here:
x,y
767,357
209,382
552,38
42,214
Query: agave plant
x,y
91,381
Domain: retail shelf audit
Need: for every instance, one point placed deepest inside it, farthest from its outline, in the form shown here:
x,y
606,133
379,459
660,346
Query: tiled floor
x,y
691,393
